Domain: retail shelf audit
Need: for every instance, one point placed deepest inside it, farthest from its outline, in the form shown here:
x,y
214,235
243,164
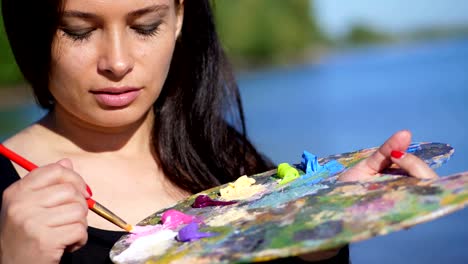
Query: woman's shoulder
x,y
29,143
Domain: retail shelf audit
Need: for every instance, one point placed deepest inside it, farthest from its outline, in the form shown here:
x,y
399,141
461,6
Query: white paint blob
x,y
147,246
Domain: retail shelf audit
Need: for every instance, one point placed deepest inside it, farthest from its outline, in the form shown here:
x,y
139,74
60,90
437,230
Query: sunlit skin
x,y
99,45
104,47
111,44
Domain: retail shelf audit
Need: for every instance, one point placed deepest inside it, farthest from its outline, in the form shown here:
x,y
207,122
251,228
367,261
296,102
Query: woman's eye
x,y
147,30
77,35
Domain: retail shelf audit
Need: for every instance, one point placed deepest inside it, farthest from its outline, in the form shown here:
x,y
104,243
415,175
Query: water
x,y
13,119
356,100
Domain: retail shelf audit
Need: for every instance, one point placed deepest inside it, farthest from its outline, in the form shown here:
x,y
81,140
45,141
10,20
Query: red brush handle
x,y
26,164
29,166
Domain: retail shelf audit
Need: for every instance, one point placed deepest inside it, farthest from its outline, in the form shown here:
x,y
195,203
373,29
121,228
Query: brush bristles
x,y
128,228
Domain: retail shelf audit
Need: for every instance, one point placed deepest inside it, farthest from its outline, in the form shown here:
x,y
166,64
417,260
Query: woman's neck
x,y
73,135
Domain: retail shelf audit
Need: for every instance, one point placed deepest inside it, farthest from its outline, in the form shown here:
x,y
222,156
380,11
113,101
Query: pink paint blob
x,y
141,231
173,218
373,207
204,201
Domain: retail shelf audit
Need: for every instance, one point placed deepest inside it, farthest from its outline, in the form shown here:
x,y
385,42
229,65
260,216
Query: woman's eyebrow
x,y
149,9
136,13
79,14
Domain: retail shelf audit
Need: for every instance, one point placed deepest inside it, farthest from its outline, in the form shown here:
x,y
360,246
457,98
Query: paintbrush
x,y
92,204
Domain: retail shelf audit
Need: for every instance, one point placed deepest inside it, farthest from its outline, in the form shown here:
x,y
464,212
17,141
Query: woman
x,y
138,93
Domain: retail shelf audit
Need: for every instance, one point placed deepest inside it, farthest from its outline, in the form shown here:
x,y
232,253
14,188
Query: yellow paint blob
x,y
449,199
325,215
242,188
231,216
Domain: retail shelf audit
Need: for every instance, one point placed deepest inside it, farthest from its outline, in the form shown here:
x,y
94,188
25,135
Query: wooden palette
x,y
312,213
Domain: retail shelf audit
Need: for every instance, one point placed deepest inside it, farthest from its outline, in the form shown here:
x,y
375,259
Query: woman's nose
x,y
115,59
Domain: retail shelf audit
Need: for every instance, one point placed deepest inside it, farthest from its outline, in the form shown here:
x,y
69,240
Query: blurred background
x,y
331,76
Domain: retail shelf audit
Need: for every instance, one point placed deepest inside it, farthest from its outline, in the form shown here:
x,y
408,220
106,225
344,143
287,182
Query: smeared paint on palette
x,y
307,214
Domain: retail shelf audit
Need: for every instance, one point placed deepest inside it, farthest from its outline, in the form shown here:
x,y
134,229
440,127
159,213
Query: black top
x,y
100,241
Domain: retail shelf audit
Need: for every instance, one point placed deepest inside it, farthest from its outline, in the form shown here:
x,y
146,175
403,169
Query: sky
x,y
335,16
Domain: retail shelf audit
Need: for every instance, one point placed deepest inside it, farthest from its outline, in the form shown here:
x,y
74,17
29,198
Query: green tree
x,y
9,72
252,31
266,31
365,34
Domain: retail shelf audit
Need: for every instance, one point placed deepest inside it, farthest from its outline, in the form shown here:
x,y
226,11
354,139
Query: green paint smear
x,y
352,162
285,170
306,179
285,237
337,201
398,217
430,207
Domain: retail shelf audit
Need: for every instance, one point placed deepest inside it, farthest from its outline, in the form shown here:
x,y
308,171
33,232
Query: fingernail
x,y
397,154
89,191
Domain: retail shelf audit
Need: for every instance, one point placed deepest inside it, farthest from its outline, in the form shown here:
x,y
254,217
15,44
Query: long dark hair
x,y
199,134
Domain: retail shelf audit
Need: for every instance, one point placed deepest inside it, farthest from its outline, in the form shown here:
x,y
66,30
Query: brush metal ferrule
x,y
110,216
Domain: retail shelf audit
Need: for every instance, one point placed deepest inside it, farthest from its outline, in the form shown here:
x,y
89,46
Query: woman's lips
x,y
116,97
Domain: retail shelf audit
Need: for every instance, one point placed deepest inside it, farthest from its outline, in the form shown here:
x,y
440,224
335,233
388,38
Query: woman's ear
x,y
180,18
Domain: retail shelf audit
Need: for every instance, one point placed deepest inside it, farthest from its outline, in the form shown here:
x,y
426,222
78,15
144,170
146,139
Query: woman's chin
x,y
115,120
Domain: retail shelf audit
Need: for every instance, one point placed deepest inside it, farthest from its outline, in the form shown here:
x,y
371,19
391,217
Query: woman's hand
x,y
43,214
392,151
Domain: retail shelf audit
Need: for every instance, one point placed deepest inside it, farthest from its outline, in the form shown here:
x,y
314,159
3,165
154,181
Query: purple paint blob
x,y
173,218
204,201
190,233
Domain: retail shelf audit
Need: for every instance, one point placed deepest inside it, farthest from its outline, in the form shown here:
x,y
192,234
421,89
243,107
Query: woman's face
x,y
110,58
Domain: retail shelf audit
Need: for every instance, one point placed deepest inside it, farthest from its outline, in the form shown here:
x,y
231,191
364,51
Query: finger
x,y
413,165
74,247
66,163
70,237
64,215
30,204
59,194
381,158
52,174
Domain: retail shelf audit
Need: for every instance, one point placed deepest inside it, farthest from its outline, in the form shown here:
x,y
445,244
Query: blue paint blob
x,y
413,148
314,178
315,173
292,193
309,163
334,167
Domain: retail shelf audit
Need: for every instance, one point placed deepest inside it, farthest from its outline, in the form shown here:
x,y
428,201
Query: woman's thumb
x,y
66,163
